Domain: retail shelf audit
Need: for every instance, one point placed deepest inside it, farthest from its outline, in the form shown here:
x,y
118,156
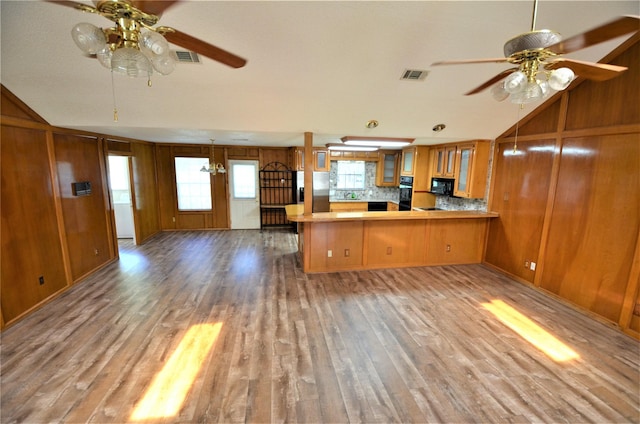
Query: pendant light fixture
x,y
213,167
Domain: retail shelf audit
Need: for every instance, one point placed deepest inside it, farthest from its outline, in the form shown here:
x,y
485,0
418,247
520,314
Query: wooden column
x,y
308,173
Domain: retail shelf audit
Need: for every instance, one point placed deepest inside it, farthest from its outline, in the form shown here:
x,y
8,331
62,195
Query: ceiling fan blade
x,y
588,70
75,5
492,81
156,7
608,31
470,61
212,52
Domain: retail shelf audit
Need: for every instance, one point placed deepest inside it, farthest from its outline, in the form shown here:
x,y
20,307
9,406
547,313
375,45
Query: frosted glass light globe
x,y
89,38
164,65
498,92
531,93
104,57
561,78
154,43
515,82
131,62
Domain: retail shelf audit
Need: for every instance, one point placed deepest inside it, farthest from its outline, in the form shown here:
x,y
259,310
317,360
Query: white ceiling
x,y
325,67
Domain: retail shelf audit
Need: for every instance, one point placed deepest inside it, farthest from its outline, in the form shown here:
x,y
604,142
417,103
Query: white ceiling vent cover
x,y
185,56
414,74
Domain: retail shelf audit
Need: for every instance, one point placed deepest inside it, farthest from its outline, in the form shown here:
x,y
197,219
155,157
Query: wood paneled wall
x,y
52,238
31,236
569,197
87,220
173,219
145,195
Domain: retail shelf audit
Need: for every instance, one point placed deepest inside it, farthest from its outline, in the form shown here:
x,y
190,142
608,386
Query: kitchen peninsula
x,y
345,241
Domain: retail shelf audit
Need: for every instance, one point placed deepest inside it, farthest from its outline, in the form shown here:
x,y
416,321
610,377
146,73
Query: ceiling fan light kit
x,y
135,46
537,56
132,53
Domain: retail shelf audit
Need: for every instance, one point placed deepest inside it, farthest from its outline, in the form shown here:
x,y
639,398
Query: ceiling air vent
x,y
414,74
184,56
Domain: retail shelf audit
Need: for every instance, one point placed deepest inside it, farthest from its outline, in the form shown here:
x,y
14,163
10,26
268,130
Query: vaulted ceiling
x,y
325,67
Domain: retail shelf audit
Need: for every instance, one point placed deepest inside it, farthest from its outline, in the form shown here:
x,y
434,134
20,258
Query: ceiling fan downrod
x,y
534,15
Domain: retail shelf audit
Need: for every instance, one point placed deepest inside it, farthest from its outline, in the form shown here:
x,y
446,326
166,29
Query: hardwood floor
x,y
400,345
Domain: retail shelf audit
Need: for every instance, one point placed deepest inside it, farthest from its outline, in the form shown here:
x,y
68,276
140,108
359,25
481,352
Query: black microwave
x,y
442,186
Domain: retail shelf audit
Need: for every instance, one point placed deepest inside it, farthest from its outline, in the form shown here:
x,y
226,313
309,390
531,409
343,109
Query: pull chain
x,y
515,141
113,93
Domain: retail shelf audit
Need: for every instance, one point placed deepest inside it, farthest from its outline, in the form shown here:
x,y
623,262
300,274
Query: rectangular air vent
x,y
414,74
184,56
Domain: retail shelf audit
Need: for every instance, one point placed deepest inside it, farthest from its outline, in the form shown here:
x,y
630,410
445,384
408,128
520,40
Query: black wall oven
x,y
406,191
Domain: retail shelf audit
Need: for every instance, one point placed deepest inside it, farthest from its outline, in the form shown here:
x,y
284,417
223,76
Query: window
x,y
350,175
244,181
194,186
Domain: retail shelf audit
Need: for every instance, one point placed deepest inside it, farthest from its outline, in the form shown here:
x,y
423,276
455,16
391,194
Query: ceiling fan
x,y
135,46
540,69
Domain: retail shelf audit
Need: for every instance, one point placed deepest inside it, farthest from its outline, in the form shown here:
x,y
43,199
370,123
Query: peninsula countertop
x,y
295,215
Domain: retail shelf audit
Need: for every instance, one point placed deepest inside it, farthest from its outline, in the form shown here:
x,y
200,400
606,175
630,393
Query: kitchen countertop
x,y
387,216
341,200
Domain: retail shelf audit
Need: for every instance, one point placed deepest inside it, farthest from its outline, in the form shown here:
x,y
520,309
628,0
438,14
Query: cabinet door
x,y
336,245
395,243
455,241
320,160
450,160
387,170
464,161
408,158
438,166
299,159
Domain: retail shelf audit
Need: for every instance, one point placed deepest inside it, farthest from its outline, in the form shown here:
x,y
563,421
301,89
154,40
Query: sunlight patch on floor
x,y
169,388
530,331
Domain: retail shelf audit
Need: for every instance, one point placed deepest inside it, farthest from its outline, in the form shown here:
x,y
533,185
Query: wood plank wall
x,y
569,196
173,219
50,235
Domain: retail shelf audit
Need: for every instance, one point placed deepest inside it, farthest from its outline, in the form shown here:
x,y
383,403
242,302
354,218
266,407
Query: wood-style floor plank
x,y
396,345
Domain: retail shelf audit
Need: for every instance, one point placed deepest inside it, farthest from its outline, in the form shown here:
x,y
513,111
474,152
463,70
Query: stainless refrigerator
x,y
320,192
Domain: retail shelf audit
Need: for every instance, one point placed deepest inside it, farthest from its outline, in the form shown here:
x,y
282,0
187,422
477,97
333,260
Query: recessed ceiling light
x,y
372,123
439,127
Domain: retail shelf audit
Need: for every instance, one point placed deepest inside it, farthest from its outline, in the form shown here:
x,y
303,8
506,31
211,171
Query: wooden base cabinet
x,y
455,241
395,243
334,245
371,244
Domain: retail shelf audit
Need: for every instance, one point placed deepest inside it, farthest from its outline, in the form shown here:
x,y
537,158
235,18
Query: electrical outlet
x,y
329,253
532,266
346,253
526,264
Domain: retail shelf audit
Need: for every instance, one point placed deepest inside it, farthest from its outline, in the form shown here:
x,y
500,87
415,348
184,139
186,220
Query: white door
x,y
244,204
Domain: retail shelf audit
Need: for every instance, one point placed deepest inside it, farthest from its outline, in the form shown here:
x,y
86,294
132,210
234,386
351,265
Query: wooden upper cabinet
x,y
471,165
298,158
444,161
387,169
353,155
408,161
450,156
321,160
